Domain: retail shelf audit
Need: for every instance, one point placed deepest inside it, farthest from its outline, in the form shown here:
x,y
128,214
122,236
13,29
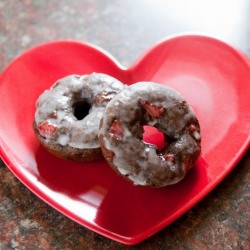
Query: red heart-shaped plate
x,y
212,76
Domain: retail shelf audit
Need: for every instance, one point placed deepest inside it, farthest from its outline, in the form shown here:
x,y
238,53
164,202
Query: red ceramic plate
x,y
212,76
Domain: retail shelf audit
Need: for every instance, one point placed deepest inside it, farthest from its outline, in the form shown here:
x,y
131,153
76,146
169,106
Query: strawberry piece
x,y
192,128
46,129
188,165
109,155
116,130
153,110
54,115
105,97
169,157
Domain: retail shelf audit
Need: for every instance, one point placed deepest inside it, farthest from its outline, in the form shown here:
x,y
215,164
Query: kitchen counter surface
x,y
125,29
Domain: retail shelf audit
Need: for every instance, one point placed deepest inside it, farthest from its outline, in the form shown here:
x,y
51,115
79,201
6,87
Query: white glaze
x,y
55,106
140,163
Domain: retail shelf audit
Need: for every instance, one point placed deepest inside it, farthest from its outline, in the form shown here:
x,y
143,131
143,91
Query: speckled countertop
x,y
125,29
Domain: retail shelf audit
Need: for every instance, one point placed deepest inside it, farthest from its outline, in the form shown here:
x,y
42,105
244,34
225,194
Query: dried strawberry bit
x,y
169,157
104,97
192,128
53,115
109,154
188,165
46,129
153,110
116,131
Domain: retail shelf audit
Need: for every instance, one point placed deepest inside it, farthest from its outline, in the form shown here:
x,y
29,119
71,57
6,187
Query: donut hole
x,y
81,109
153,136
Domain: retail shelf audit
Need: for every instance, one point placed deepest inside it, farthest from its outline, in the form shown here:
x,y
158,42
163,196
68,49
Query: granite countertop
x,y
125,29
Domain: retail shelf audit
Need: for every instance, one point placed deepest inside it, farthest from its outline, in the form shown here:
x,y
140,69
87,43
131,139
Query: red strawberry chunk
x,y
116,131
109,154
187,166
192,128
104,97
169,157
46,129
153,110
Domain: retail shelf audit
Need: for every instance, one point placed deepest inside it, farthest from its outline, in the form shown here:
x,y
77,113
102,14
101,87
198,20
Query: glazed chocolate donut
x,y
68,115
121,135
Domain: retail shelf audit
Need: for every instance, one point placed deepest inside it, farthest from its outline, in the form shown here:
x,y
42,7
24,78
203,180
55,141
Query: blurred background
x,y
123,28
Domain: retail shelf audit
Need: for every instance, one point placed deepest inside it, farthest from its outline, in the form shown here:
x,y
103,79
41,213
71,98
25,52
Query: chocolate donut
x,y
68,115
121,135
